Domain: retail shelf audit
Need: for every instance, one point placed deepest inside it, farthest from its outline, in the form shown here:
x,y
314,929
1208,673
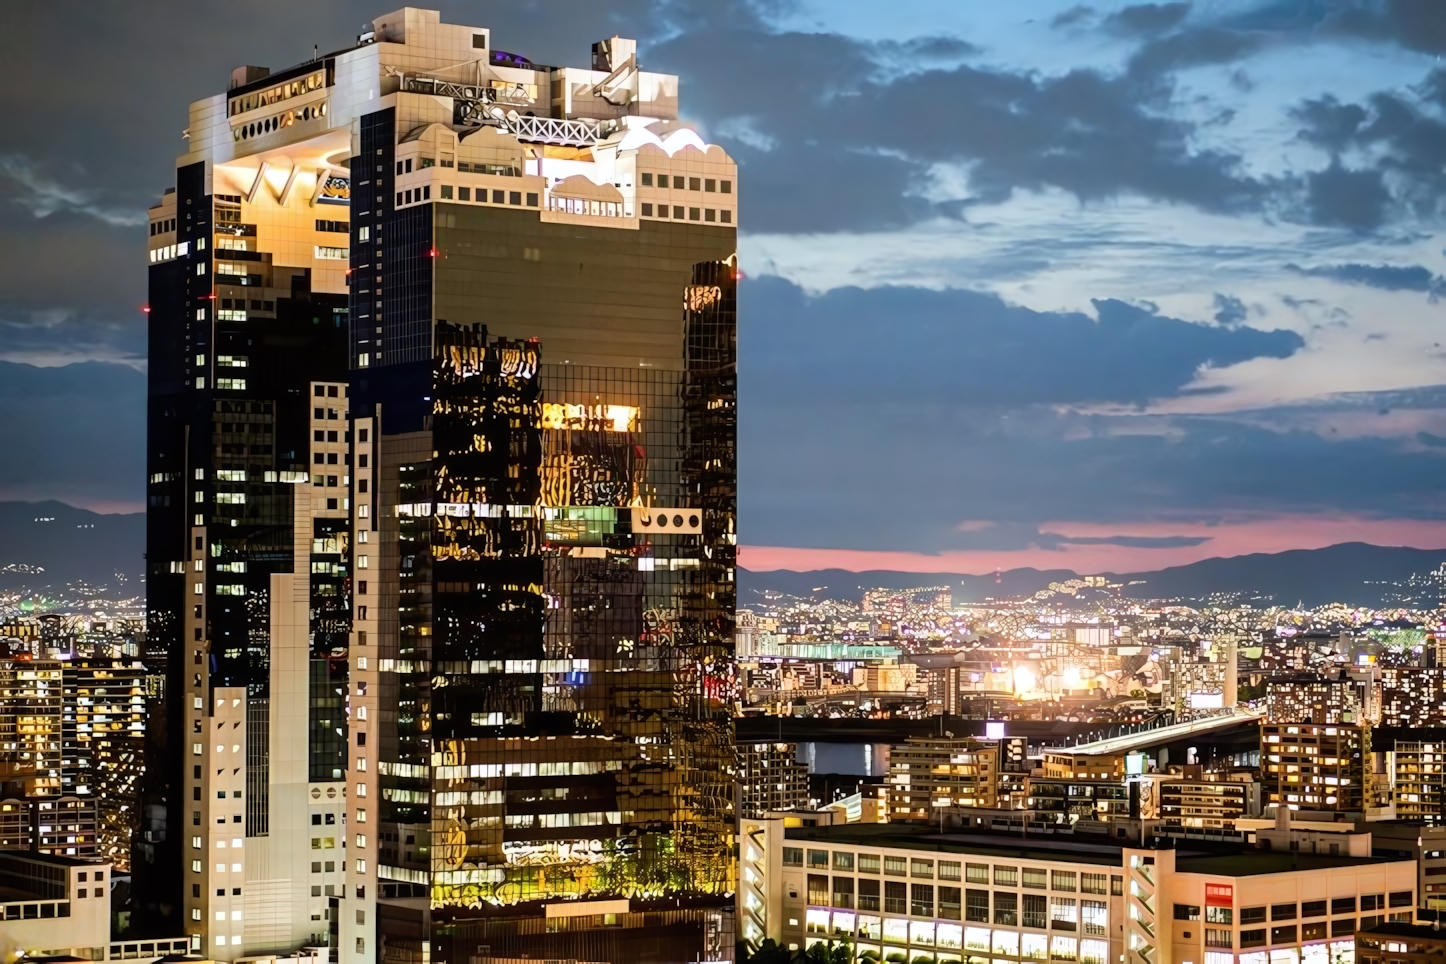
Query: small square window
x,y
678,213
531,200
647,180
514,197
710,215
678,181
497,197
727,217
726,186
695,214
647,210
710,185
695,184
479,41
464,194
446,192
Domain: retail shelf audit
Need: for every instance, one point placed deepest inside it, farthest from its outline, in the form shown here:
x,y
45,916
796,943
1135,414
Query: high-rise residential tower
x,y
522,583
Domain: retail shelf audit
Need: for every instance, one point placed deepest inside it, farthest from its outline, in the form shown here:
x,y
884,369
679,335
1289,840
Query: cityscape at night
x,y
658,482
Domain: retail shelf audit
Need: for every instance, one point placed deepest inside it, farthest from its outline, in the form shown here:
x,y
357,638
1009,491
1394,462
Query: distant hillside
x,y
50,544
1352,573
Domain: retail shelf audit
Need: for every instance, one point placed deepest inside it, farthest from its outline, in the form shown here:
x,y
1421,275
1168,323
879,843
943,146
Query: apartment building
x,y
930,774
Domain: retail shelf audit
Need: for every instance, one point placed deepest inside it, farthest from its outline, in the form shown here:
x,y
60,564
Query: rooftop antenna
x,y
315,52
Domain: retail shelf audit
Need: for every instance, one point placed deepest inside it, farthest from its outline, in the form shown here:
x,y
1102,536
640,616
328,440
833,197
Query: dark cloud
x,y
915,345
1229,310
1009,130
1383,276
1404,139
1434,441
76,433
1343,198
1413,24
1146,19
1072,17
1135,542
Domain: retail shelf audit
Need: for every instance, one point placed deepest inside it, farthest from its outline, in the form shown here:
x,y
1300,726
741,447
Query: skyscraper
x,y
457,621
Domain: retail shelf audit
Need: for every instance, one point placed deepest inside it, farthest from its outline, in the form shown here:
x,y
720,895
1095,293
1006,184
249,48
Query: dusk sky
x,y
1090,286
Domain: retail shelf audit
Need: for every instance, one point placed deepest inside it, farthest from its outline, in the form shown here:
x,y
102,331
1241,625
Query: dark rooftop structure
x,y
1224,858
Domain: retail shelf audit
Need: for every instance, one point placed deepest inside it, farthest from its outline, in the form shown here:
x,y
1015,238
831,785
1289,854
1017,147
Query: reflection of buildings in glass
x,y
543,401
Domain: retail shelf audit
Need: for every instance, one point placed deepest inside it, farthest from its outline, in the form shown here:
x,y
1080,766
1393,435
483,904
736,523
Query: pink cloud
x,y
1229,538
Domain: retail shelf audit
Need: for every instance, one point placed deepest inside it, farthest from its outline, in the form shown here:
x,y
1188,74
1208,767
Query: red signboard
x,y
1219,895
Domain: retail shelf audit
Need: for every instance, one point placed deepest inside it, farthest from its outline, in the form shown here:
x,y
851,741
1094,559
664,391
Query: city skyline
x,y
1222,346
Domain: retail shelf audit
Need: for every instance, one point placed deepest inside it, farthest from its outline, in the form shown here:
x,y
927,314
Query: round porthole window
x,y
692,520
663,521
678,521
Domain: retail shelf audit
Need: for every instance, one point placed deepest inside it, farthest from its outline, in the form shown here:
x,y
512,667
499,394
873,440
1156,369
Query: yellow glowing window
x,y
616,418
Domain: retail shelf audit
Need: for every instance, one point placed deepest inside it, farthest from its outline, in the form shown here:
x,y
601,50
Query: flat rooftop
x,y
1222,859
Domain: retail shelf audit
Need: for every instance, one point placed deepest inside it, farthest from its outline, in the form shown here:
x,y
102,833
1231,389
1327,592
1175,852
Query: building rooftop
x,y
1402,929
1251,862
1224,859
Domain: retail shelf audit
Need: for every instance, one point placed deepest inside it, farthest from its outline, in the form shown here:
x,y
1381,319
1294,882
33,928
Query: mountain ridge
x,y
1354,573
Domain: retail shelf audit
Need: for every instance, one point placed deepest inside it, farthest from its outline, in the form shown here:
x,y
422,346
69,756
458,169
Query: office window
x,y
1035,878
1219,938
868,894
1252,915
1093,883
1281,911
793,856
1062,880
1252,938
1006,876
896,866
818,858
1309,908
1343,927
1343,905
921,868
896,897
1006,908
843,892
976,905
1223,915
1036,911
1283,935
868,863
922,900
843,861
1094,916
1187,912
818,890
1063,913
465,194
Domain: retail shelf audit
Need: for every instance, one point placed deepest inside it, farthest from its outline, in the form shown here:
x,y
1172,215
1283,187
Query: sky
x,y
1100,286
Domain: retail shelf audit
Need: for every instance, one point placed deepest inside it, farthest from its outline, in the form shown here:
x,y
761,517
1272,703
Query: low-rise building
x,y
1066,765
54,906
900,894
1398,942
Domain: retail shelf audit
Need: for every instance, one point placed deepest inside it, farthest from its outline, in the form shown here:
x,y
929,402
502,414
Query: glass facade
x,y
556,553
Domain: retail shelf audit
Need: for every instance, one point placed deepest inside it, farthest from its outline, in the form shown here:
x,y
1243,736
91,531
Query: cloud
x,y
1146,19
874,142
1072,17
1229,310
1383,276
902,344
1413,24
44,197
1355,199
